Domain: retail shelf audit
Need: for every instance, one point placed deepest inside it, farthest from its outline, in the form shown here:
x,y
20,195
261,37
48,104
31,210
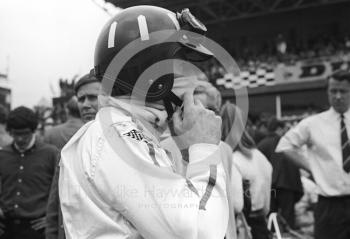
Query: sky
x,y
42,41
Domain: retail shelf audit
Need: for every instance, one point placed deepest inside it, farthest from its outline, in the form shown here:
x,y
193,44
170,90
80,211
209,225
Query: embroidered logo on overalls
x,y
134,134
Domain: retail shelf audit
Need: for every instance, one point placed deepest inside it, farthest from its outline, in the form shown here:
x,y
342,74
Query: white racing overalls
x,y
117,182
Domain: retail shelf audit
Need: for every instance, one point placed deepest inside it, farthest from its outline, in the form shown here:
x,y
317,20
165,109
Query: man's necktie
x,y
345,145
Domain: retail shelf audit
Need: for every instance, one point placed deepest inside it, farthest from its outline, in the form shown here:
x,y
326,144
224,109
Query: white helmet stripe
x,y
111,35
143,27
174,20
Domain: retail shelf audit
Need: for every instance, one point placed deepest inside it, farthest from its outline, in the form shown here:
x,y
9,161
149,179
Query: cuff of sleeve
x,y
199,152
283,145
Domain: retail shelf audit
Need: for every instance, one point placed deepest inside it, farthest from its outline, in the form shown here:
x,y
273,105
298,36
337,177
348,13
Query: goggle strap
x,y
171,98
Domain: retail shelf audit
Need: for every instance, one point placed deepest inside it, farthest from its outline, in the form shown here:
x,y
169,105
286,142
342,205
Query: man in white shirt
x,y
326,137
116,181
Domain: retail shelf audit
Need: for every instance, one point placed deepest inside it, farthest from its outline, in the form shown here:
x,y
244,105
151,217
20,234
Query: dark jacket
x,y
285,174
60,134
26,178
54,228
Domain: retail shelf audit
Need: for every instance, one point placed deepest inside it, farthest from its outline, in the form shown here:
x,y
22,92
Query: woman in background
x,y
255,169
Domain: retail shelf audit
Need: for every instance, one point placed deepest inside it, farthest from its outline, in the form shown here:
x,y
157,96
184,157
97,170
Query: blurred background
x,y
284,49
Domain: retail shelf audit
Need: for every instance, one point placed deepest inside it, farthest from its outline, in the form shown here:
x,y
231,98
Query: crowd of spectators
x,y
286,52
29,156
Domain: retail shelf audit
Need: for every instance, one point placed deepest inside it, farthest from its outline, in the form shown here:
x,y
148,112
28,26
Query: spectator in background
x,y
26,171
275,129
253,166
281,45
304,215
347,42
86,90
60,134
5,138
260,132
286,183
327,140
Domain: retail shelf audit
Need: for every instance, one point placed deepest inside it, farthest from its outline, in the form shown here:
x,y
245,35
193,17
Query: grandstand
x,y
315,34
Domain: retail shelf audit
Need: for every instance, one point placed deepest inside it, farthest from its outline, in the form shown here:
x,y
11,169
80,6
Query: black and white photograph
x,y
175,119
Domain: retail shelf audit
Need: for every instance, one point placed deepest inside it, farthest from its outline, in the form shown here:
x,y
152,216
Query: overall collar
x,y
151,120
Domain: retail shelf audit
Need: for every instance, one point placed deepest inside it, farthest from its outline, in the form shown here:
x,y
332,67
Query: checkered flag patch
x,y
134,134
